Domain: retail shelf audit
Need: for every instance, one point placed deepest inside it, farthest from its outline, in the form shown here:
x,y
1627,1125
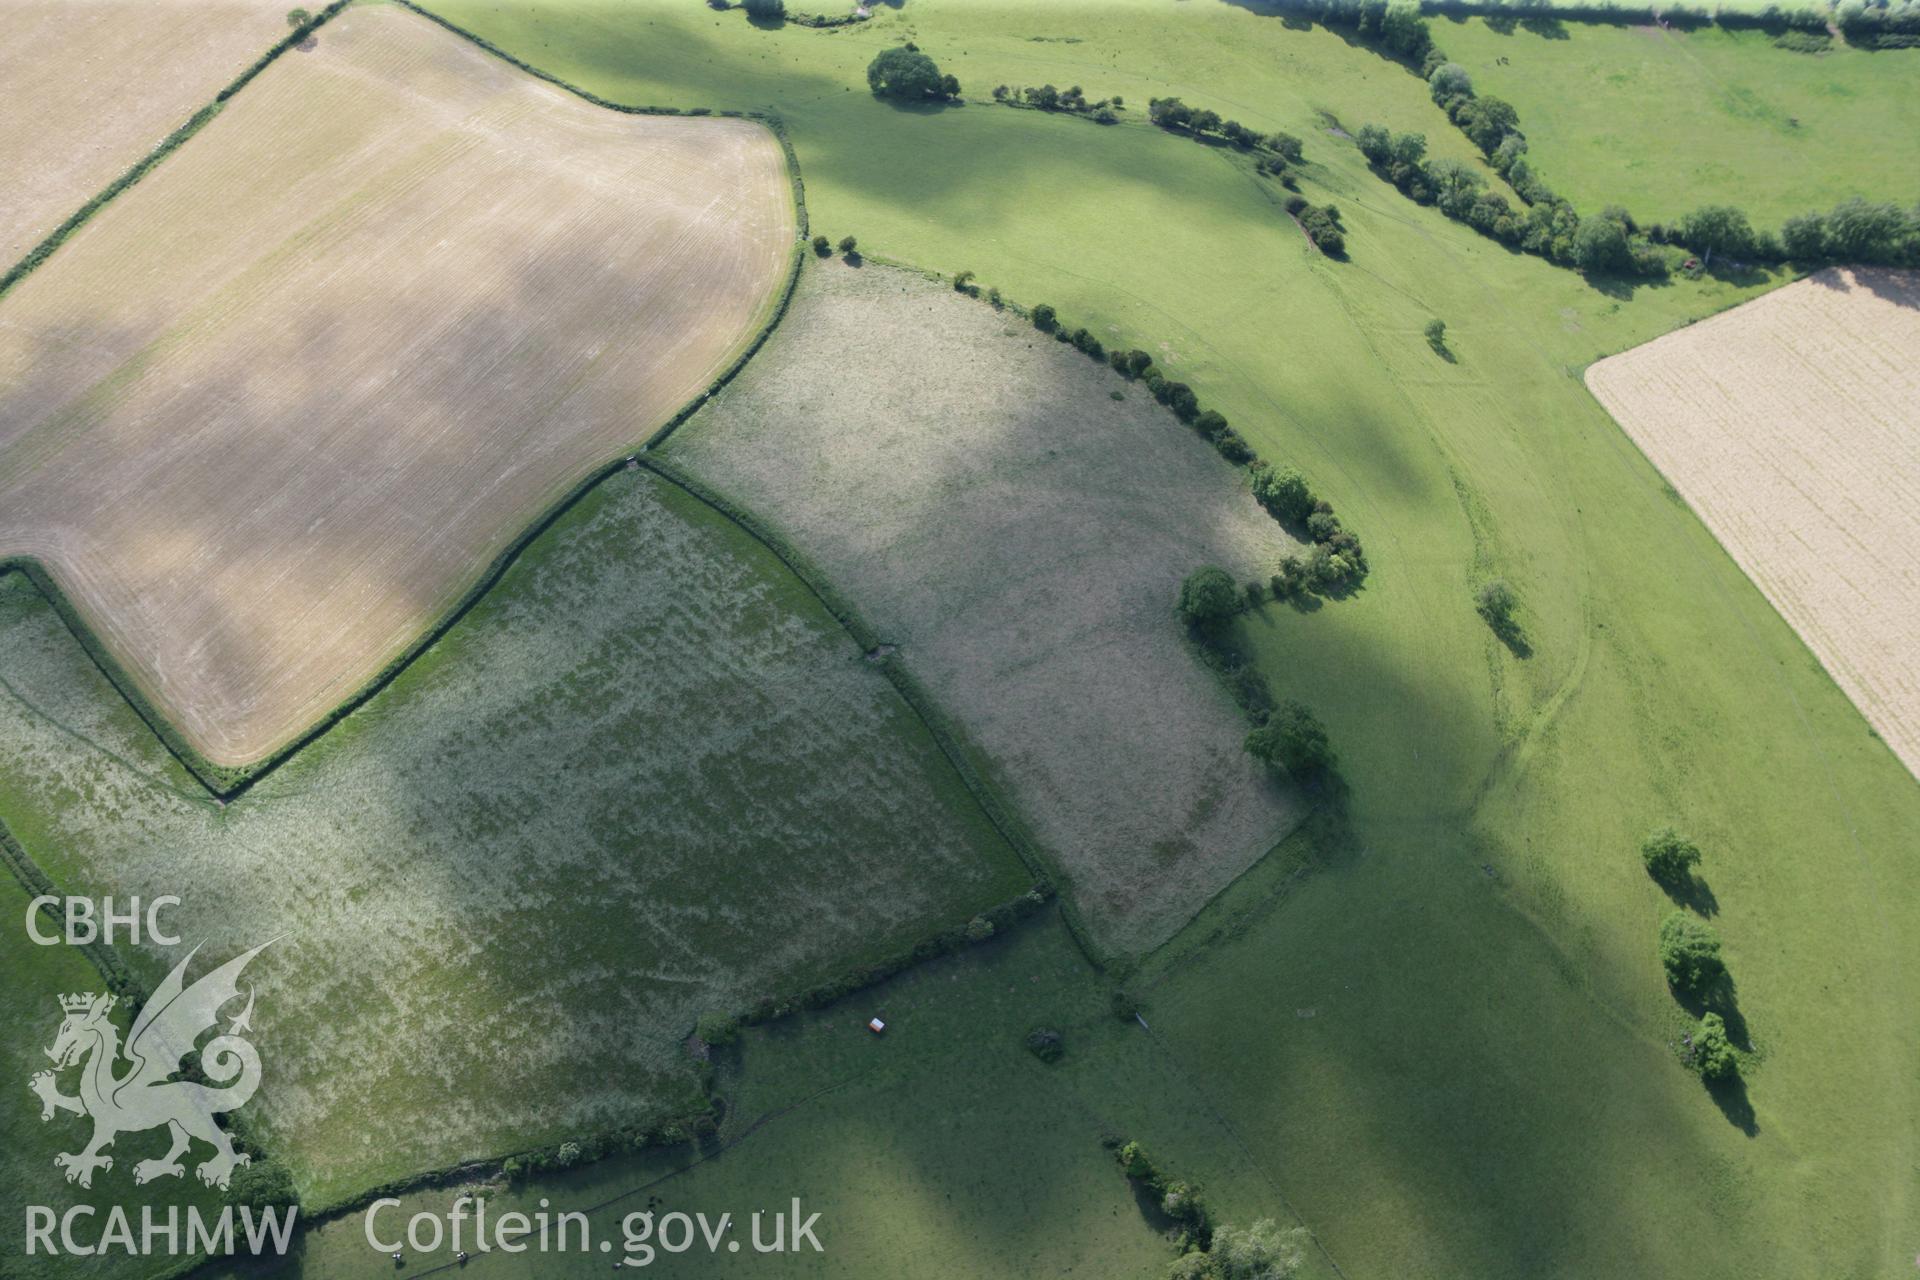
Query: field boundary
x,y
168,145
955,746
226,782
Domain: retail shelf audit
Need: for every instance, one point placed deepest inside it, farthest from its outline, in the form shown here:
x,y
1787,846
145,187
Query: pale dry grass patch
x,y
970,483
270,413
1792,425
645,778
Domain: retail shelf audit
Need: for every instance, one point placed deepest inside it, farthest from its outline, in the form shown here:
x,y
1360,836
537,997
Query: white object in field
x,y
876,1026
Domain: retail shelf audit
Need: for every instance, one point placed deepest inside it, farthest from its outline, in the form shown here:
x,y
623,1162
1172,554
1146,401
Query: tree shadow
x,y
1547,28
1445,352
921,107
1730,1095
1512,635
1694,894
1720,998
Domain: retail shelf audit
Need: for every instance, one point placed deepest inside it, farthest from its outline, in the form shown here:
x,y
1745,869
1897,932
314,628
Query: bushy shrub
x,y
849,246
1045,1044
1436,332
1044,318
979,929
263,1184
717,1029
765,9
821,246
1690,953
1668,856
1208,596
1284,492
1210,423
1125,1005
1713,1055
909,75
1292,739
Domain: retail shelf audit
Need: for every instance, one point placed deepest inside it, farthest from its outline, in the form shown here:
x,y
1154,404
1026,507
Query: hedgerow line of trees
x,y
1690,955
1071,100
1262,1251
1611,242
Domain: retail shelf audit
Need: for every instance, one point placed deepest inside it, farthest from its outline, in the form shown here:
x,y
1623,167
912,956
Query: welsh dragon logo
x,y
146,1096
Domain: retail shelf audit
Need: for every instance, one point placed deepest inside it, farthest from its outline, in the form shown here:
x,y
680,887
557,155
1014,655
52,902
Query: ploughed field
x,y
268,415
93,87
1790,425
1021,535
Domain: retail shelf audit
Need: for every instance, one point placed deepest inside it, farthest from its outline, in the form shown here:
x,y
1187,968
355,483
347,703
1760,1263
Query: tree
x,y
904,73
765,10
1210,423
1488,121
1290,147
1436,332
849,246
1600,247
1864,231
1375,143
1449,80
297,18
979,929
1405,32
1690,953
1495,602
950,86
1260,1252
1045,1044
1805,237
717,1029
1208,596
1713,1055
1204,121
1293,739
1283,491
821,246
963,283
1043,318
263,1184
1669,856
1717,228
1407,148
1169,113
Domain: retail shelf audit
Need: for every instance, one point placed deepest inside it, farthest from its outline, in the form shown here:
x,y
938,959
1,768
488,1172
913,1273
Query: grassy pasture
x,y
646,777
1665,121
92,88
941,1149
1021,536
1491,1095
1787,423
36,977
270,413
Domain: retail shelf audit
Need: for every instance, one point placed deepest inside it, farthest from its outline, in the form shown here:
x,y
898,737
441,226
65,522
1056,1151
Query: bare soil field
x,y
269,414
646,777
974,488
93,86
1792,425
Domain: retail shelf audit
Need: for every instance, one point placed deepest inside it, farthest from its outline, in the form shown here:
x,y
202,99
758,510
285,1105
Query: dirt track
x,y
268,415
1792,425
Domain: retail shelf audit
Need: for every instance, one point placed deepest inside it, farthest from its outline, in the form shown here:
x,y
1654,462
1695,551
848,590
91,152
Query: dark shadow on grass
x,y
928,107
1694,894
1546,28
1730,1095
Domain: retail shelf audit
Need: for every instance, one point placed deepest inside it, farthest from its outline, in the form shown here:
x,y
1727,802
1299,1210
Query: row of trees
x,y
1176,116
1321,222
1260,1252
1337,559
1690,954
1071,99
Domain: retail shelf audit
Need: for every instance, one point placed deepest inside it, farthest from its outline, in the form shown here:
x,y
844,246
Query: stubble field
x,y
1788,424
1021,536
268,415
63,63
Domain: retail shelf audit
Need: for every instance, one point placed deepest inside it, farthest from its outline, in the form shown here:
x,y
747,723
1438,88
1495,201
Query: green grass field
x,y
647,777
36,977
943,1148
1482,1087
1666,121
